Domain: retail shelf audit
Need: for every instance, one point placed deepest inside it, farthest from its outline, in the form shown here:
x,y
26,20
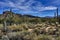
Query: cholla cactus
x,y
51,30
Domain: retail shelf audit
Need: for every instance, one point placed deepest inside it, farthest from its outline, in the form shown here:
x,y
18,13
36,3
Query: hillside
x,y
11,17
28,27
17,18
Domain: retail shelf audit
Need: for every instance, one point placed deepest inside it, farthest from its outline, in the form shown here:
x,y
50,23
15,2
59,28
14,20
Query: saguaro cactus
x,y
5,25
57,14
6,17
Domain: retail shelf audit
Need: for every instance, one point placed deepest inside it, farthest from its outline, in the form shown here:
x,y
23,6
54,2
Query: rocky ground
x,y
28,31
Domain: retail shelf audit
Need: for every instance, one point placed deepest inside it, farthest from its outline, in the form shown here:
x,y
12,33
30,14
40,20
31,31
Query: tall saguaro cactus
x,y
57,14
57,18
6,17
5,26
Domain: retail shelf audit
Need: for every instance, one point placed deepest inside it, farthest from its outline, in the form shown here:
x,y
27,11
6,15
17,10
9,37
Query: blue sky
x,y
31,7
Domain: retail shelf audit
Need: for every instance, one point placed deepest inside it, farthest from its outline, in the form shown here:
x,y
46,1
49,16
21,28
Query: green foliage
x,y
14,18
35,20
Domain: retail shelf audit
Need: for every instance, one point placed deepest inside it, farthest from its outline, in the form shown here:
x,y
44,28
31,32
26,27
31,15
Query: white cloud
x,y
56,2
50,8
41,8
11,4
19,4
3,4
29,2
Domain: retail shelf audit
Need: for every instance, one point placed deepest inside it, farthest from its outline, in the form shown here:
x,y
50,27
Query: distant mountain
x,y
31,16
48,17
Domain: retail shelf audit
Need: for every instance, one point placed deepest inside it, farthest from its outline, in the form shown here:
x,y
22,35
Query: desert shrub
x,y
43,37
58,38
1,26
